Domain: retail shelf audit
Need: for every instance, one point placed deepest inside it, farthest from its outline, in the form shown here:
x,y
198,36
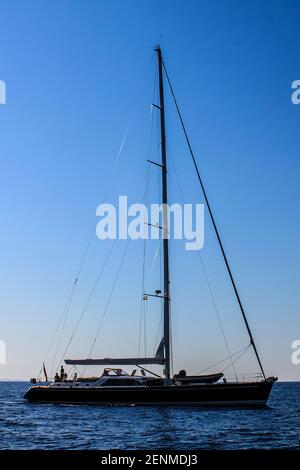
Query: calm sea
x,y
28,426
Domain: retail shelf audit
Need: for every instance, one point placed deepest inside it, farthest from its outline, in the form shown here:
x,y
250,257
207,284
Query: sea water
x,y
25,425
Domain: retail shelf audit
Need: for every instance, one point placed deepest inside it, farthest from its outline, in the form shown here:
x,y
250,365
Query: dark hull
x,y
219,394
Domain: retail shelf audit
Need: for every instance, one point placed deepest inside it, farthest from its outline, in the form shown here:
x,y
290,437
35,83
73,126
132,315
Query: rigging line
x,y
59,323
89,298
61,333
64,314
236,359
142,299
146,202
109,297
85,252
127,245
214,225
144,262
160,281
92,292
155,254
161,251
145,303
217,312
171,339
205,272
83,257
223,360
108,186
151,115
145,327
157,334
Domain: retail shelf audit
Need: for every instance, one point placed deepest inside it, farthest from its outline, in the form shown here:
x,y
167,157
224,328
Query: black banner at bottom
x,y
138,459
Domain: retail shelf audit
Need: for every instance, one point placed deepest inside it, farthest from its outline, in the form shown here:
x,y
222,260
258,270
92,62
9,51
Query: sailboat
x,y
114,385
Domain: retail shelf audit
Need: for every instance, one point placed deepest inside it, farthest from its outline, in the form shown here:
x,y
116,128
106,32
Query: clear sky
x,y
73,72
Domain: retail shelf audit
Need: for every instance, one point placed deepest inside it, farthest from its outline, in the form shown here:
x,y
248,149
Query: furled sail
x,y
157,359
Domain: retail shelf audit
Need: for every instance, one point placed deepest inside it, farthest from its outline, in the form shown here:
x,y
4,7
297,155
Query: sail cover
x,y
158,359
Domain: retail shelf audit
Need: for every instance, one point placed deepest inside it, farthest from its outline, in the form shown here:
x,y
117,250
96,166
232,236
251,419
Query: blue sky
x,y
75,76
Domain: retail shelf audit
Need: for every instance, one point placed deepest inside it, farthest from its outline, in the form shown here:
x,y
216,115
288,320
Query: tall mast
x,y
166,293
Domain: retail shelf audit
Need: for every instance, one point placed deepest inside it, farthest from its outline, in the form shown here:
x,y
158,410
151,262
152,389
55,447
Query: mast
x,y
166,293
